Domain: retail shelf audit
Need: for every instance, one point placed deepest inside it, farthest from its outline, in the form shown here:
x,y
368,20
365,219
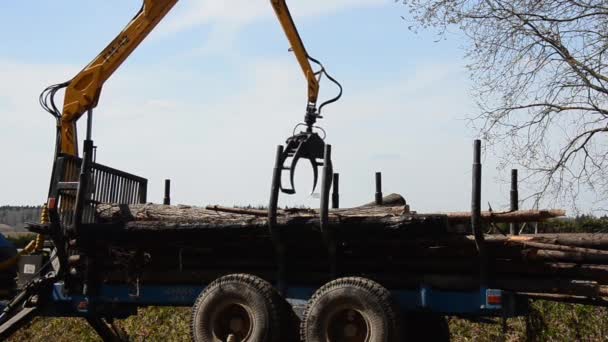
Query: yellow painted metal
x,y
44,219
82,93
286,20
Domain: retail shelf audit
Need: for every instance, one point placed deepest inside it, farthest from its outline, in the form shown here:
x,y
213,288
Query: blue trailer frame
x,y
114,300
49,296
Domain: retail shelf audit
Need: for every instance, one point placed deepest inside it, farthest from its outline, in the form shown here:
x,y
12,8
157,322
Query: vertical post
x,y
167,199
83,190
274,188
476,213
89,124
379,188
83,183
325,186
143,192
272,221
335,196
514,227
326,179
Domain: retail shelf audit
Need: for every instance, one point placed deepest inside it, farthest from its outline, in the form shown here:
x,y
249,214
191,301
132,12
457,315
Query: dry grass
x,y
547,322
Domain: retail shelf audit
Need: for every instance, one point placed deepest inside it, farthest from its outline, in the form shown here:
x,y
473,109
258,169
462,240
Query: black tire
x,y
351,309
239,304
425,327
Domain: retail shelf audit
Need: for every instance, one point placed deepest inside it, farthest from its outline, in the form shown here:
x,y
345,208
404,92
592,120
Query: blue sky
x,y
208,96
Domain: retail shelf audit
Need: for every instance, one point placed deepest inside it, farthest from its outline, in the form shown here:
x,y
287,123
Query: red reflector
x,y
494,299
52,203
83,306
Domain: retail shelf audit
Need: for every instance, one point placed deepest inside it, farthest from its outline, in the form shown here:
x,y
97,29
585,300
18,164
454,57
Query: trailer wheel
x,y
237,307
351,310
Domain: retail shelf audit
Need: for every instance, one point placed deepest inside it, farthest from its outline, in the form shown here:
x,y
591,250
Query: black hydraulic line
x,y
476,214
514,227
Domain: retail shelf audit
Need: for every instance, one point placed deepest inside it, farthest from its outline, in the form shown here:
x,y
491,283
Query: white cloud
x,y
220,149
225,20
239,13
22,83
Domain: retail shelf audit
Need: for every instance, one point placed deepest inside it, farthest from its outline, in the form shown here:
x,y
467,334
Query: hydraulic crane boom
x,y
82,92
282,12
308,144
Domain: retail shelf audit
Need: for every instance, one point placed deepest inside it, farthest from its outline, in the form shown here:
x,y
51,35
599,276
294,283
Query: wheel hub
x,y
232,323
348,326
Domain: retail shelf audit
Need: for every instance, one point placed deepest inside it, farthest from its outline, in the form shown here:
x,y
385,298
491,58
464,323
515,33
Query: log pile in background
x,y
387,243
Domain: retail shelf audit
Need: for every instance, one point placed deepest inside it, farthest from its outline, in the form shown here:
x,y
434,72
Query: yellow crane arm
x,y
282,11
82,92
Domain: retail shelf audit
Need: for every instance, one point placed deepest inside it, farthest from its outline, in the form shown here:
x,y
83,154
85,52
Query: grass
x,y
151,324
547,322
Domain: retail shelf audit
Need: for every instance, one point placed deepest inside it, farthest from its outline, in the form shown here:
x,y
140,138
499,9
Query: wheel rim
x,y
347,325
232,319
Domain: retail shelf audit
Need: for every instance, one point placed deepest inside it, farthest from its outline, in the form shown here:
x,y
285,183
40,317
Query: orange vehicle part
x,y
286,20
82,92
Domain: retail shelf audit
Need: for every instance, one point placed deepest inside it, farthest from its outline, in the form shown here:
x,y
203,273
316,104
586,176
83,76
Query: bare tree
x,y
539,69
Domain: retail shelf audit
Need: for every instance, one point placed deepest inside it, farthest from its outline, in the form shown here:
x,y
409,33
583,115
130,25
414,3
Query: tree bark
x,y
387,243
507,216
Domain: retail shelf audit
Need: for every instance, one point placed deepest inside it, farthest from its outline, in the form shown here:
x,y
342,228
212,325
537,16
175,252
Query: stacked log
x,y
388,243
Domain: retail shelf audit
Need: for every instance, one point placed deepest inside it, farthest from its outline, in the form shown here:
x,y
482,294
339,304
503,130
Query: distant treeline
x,y
16,216
579,224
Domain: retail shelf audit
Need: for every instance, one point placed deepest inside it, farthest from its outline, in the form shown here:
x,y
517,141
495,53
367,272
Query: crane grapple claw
x,y
305,145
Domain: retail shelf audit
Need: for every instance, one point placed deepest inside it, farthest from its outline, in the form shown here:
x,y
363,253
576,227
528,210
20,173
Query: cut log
x,y
602,255
399,249
392,200
587,240
507,216
146,217
567,256
254,212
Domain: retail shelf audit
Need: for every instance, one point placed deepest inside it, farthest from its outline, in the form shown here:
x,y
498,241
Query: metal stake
x,y
272,221
325,186
167,199
89,124
335,195
379,188
326,179
514,227
476,213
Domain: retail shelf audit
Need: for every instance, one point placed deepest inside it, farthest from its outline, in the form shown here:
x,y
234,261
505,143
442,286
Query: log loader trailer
x,y
276,275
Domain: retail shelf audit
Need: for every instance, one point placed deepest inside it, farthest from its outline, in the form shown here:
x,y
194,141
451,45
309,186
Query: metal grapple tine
x,y
292,168
305,145
289,191
315,171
